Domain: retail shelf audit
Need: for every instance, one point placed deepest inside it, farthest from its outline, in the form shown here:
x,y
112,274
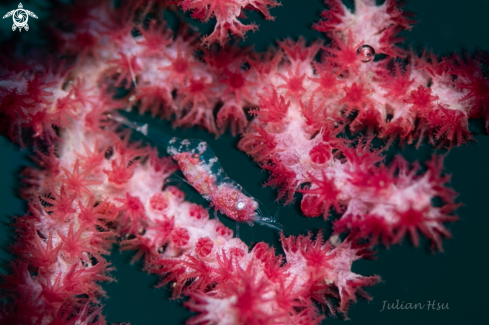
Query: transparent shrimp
x,y
202,169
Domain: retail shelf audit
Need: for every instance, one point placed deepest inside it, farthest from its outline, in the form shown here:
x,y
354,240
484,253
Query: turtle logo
x,y
20,17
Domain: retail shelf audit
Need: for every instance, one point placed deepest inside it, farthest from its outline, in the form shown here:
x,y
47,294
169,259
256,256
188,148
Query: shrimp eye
x,y
240,205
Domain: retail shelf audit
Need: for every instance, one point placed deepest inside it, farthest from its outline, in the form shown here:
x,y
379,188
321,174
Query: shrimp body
x,y
231,201
202,169
208,178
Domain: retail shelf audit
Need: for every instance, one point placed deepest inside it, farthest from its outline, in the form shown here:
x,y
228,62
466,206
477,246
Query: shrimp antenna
x,y
270,224
264,218
276,214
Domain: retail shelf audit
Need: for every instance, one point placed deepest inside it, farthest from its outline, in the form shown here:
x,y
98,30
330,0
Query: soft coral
x,y
450,125
472,79
397,82
133,211
411,220
355,97
77,181
43,254
272,107
320,196
75,243
344,54
226,13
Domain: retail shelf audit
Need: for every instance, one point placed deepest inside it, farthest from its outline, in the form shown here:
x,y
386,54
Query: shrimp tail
x,y
160,138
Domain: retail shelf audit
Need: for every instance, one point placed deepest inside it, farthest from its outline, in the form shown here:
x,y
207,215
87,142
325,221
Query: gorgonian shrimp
x,y
202,170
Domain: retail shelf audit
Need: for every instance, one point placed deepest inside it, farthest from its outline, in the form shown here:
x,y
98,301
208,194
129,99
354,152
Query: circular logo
x,y
20,17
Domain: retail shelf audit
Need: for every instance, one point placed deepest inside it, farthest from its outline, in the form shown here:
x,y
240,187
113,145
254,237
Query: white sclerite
x,y
212,161
202,147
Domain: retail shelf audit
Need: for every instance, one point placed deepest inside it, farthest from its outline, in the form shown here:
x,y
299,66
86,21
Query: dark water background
x,y
457,277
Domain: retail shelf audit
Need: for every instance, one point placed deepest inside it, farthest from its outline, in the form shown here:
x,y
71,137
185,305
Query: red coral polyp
x,y
180,237
321,153
120,174
204,246
272,107
133,211
322,194
450,126
158,202
355,97
198,212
